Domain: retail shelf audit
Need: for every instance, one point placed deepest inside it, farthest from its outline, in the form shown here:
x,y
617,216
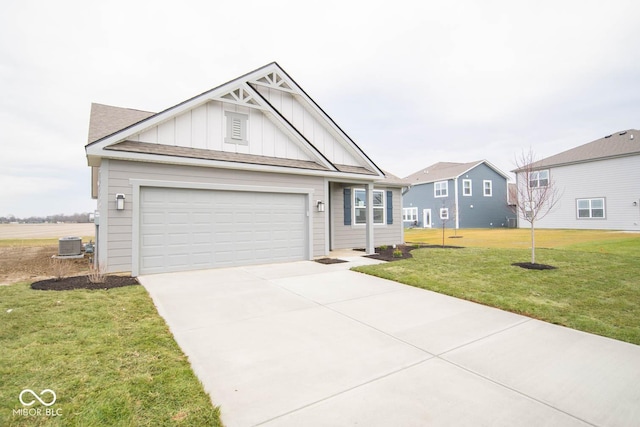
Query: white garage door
x,y
185,229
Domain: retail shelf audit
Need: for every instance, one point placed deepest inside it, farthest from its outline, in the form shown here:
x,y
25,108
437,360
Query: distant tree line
x,y
76,217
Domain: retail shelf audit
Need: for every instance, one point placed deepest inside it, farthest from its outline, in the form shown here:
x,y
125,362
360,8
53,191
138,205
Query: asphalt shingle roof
x,y
622,143
440,171
106,119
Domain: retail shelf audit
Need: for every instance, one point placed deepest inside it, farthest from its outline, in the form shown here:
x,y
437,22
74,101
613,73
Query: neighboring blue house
x,y
463,195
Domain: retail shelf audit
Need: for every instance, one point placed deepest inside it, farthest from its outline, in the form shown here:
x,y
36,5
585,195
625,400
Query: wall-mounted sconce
x,y
320,206
635,203
120,201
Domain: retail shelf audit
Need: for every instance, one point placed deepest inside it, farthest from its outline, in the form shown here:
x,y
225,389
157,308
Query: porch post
x,y
369,196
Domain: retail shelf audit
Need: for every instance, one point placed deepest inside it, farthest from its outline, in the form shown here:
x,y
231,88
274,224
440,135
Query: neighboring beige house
x,y
598,183
250,172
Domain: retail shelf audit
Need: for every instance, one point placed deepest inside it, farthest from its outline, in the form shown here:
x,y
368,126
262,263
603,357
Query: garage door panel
x,y
182,229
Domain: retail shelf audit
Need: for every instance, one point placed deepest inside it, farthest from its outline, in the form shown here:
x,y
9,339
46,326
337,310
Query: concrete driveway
x,y
317,345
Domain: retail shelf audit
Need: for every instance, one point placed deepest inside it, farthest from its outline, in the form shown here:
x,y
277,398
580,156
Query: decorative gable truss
x,y
240,96
275,81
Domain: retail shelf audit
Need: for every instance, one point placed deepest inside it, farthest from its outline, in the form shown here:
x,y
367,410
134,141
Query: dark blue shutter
x,y
389,207
347,206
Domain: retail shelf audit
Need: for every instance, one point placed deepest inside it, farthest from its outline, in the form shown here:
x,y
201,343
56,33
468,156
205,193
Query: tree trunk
x,y
533,245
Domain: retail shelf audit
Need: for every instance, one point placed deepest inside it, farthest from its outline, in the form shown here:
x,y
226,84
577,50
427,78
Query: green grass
x,y
595,287
107,355
513,237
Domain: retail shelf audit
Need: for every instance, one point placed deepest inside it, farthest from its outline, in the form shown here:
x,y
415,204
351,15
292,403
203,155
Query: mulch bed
x,y
330,260
387,254
82,282
536,266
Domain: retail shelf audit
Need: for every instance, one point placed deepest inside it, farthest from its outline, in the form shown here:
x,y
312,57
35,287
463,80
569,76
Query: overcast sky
x,y
412,82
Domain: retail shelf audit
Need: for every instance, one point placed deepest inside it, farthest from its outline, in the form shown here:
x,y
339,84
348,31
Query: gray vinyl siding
x,y
422,197
353,236
615,180
487,212
120,227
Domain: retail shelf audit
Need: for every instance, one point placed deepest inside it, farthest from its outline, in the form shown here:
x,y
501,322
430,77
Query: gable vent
x,y
236,128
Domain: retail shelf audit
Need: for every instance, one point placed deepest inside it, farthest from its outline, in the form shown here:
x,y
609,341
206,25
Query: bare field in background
x,y
46,231
26,250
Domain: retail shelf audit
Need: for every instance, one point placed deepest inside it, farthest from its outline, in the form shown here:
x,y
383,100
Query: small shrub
x,y
97,275
60,268
383,247
397,253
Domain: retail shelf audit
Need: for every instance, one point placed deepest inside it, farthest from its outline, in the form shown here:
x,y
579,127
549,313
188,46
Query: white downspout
x,y
369,241
455,203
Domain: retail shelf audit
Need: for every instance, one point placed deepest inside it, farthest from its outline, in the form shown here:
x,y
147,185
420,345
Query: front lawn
x,y
595,287
106,354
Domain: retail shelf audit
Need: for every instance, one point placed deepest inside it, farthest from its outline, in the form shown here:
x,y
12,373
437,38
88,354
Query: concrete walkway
x,y
306,344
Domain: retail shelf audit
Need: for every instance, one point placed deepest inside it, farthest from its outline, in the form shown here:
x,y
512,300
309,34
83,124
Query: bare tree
x,y
537,193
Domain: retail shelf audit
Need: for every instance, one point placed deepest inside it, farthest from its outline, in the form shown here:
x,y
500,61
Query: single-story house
x,y
460,195
598,184
250,172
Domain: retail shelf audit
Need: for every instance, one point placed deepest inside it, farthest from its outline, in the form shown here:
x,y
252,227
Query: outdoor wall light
x,y
120,201
320,206
635,203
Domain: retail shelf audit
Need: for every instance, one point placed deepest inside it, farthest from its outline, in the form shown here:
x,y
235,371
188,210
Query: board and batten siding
x,y
117,178
354,236
615,180
311,127
204,127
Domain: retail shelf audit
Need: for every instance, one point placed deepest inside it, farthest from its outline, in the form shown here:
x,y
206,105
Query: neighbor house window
x,y
444,213
539,179
236,128
590,208
466,187
486,186
440,189
360,206
410,214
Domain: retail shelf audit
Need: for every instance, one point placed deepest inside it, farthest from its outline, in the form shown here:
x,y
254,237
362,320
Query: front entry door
x,y
426,218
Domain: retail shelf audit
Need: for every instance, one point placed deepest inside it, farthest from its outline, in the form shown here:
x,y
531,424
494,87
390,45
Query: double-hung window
x,y
466,187
487,188
410,214
441,189
360,206
590,208
539,179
